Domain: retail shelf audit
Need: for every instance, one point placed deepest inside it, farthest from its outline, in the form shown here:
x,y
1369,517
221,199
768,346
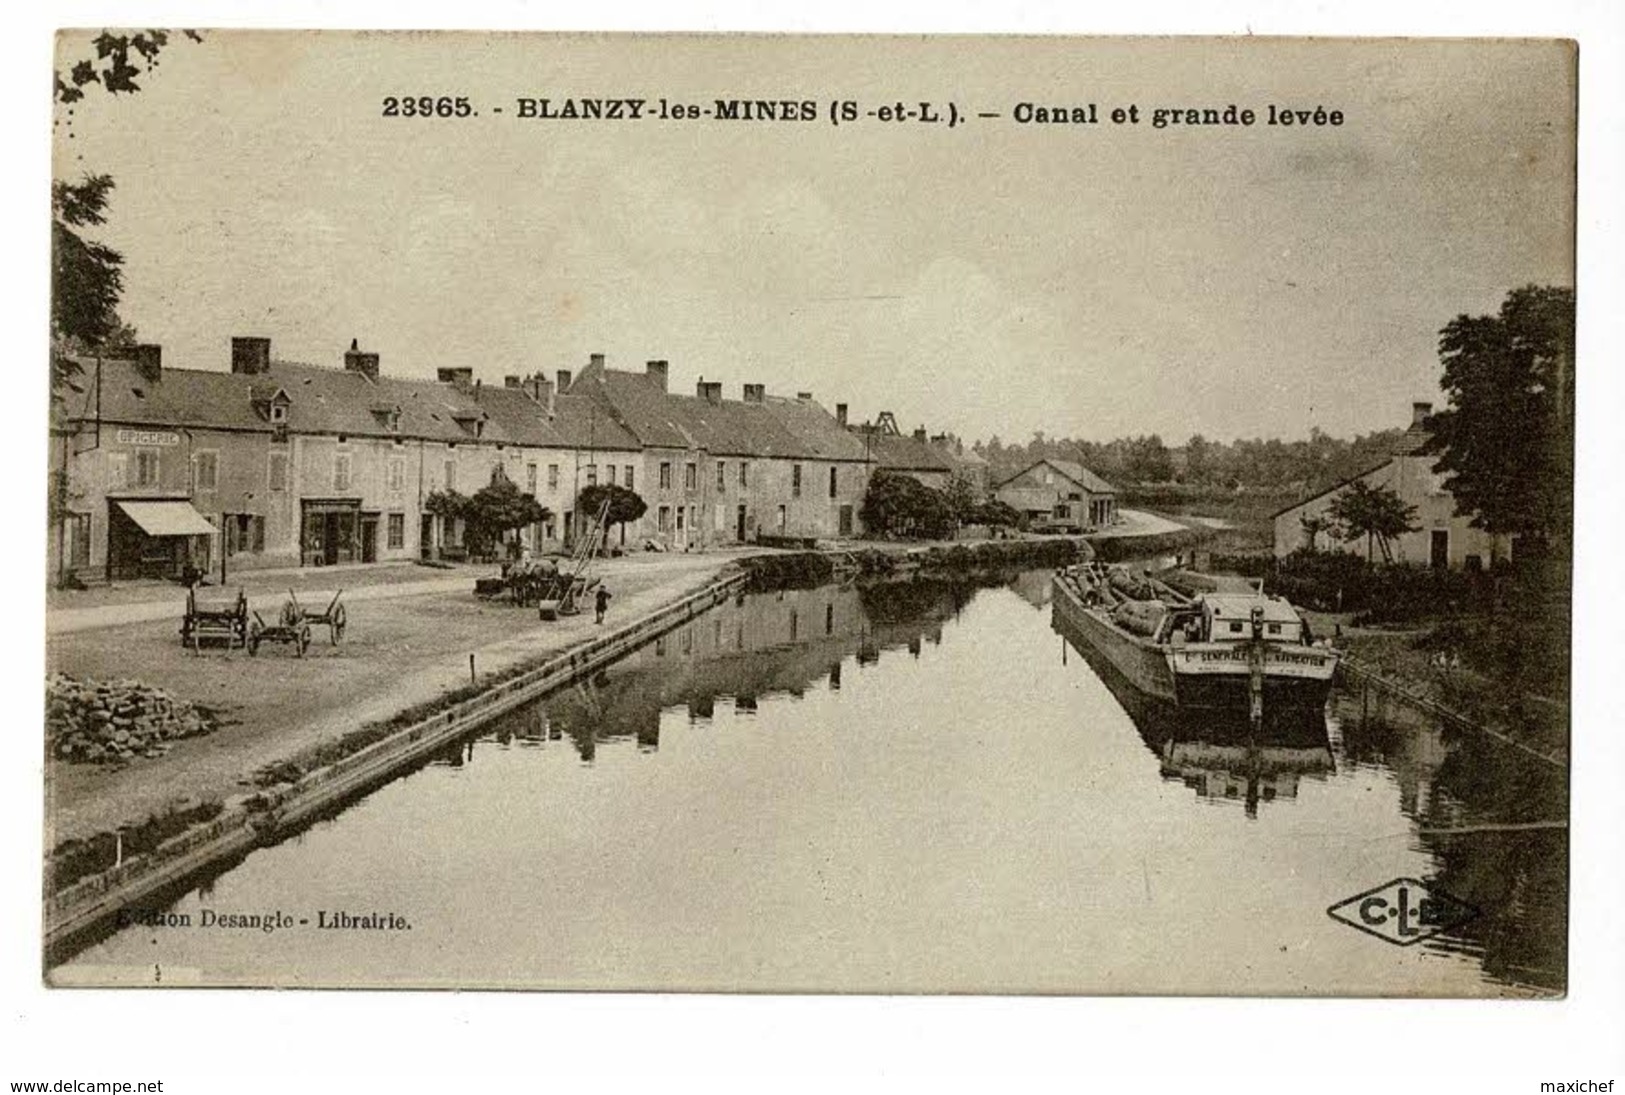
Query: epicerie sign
x,y
147,437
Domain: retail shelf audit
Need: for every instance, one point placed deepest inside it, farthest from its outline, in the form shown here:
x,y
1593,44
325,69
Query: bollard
x,y
472,677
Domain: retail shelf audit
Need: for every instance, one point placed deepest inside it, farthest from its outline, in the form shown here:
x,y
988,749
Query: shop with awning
x,y
156,538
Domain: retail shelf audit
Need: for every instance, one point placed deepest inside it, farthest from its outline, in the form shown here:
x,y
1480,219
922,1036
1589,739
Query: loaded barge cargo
x,y
1245,652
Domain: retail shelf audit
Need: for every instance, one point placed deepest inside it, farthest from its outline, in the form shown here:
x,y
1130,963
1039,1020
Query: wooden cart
x,y
333,616
216,622
296,634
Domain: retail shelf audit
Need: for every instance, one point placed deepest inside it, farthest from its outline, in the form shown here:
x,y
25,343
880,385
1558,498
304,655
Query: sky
x,y
990,279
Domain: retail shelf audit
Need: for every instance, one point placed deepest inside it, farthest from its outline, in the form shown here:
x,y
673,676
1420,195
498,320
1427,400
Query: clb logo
x,y
1403,911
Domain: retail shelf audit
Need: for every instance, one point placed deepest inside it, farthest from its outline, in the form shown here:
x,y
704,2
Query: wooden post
x,y
472,677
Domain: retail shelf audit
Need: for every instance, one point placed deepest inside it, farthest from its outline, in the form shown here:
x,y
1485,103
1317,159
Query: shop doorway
x,y
330,533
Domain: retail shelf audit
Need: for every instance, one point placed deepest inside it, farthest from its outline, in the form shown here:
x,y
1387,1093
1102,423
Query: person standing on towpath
x,y
601,601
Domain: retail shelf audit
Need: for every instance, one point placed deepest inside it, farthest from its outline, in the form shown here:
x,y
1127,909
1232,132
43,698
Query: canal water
x,y
900,787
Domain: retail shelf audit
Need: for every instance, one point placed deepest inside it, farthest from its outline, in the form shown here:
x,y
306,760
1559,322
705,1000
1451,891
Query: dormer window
x,y
279,413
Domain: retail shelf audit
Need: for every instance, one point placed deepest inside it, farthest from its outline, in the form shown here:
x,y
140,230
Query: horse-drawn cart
x,y
293,631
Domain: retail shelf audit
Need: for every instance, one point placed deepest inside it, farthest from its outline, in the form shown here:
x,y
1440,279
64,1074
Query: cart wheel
x,y
290,614
304,640
253,639
337,630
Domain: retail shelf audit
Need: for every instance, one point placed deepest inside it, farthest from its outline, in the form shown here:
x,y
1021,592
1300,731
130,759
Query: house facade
x,y
1060,493
1442,537
718,471
276,463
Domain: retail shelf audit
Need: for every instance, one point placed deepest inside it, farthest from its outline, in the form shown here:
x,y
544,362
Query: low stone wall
x,y
807,569
90,902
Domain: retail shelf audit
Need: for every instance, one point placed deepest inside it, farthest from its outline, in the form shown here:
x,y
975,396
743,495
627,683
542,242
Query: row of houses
x,y
279,463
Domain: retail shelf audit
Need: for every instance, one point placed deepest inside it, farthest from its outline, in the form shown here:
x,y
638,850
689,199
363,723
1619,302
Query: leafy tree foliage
x,y
1505,443
118,60
1313,525
1376,513
900,505
625,506
993,512
960,496
86,277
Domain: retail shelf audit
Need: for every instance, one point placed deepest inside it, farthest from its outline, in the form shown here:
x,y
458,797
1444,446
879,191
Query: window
x,y
277,474
609,473
206,471
834,481
146,467
552,477
795,481
118,470
243,532
341,472
530,479
691,477
279,413
744,473
451,475
592,475
663,519
395,477
628,480
397,531
783,514
665,475
722,477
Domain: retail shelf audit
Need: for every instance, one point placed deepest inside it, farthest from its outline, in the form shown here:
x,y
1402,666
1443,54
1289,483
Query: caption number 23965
x,y
427,106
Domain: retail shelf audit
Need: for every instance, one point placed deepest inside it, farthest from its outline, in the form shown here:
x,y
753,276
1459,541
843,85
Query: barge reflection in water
x,y
891,788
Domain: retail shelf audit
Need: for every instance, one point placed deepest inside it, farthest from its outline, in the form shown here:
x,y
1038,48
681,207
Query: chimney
x,y
656,371
804,397
564,375
595,360
355,361
1419,411
755,393
840,415
250,356
919,435
459,377
710,391
149,362
511,381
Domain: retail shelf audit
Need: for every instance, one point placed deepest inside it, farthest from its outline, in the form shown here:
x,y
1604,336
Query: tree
x,y
625,505
87,277
1377,513
1505,443
991,511
1313,525
960,496
496,510
900,505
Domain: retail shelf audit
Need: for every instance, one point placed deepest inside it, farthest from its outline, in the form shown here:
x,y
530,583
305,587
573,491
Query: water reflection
x,y
902,787
1494,819
1491,817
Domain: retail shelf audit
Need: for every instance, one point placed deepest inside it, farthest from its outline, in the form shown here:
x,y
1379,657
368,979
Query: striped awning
x,y
167,518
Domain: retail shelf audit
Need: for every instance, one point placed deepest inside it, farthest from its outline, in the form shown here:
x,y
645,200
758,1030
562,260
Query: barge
x,y
1220,651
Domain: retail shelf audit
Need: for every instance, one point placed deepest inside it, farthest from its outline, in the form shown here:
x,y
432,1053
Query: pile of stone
x,y
106,722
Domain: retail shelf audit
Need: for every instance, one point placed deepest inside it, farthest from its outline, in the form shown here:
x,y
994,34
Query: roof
x,y
1239,606
775,427
1410,444
1074,471
898,452
337,401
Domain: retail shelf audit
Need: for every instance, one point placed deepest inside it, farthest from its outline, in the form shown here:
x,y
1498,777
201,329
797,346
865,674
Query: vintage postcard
x,y
810,514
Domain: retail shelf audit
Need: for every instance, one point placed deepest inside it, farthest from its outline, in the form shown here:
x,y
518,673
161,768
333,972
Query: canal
x,y
901,787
